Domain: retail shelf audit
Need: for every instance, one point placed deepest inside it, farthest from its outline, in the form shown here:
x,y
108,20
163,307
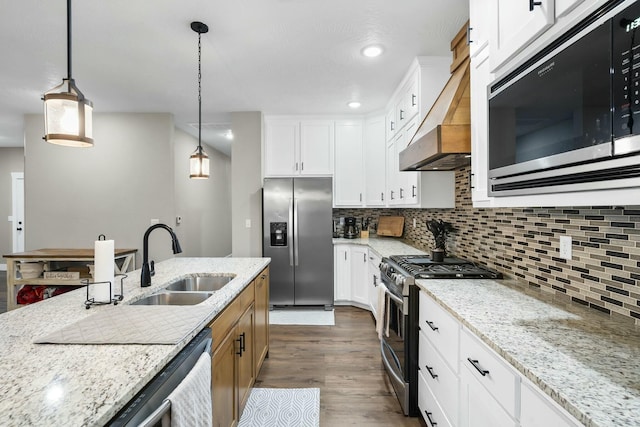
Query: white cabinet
x,y
390,126
316,147
293,147
342,272
374,162
348,182
480,78
374,281
479,408
360,275
351,274
516,24
537,409
391,174
479,27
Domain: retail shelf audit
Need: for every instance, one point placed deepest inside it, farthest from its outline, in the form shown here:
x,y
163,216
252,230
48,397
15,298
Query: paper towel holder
x,y
116,297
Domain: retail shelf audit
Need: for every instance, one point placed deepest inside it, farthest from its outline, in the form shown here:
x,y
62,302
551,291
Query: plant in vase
x,y
440,230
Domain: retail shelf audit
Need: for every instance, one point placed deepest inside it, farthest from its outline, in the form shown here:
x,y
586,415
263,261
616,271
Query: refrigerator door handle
x,y
290,243
295,231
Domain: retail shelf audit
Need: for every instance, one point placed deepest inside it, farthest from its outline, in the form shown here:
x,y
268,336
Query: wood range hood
x,y
443,139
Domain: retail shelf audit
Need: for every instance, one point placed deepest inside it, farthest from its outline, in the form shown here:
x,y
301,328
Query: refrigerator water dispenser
x,y
278,233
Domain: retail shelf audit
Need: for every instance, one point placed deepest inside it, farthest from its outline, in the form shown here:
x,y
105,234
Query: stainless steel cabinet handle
x,y
428,414
382,196
392,125
296,166
401,114
413,100
391,194
430,369
469,41
301,165
364,257
289,243
360,196
433,328
401,195
475,364
413,191
533,4
345,255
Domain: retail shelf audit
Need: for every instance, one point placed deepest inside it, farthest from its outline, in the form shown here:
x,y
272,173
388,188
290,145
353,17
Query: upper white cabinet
x,y
515,24
480,79
479,27
348,182
293,147
374,161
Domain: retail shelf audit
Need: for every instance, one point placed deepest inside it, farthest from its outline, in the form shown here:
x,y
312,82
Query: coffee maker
x,y
350,228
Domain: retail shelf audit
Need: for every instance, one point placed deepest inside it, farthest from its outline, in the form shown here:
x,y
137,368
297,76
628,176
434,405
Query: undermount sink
x,y
201,283
174,298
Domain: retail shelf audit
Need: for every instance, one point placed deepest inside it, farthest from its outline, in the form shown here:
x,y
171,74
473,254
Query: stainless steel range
x,y
400,348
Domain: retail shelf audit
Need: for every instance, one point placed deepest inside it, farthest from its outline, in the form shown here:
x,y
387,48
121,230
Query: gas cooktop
x,y
423,267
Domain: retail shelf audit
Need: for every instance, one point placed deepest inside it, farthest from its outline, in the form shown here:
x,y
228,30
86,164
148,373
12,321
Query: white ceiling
x,y
274,56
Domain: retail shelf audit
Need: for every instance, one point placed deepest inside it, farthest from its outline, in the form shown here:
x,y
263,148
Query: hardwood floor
x,y
344,362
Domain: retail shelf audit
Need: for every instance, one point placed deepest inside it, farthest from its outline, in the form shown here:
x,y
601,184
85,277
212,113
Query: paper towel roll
x,y
103,270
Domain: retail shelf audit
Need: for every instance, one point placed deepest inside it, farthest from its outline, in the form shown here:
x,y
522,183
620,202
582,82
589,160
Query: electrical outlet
x,y
247,223
155,221
565,247
414,223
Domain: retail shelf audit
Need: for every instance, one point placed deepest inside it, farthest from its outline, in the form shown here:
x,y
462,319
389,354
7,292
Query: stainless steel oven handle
x,y
395,298
388,365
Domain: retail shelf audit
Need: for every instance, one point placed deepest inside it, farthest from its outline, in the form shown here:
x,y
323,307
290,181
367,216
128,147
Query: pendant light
x,y
199,161
67,113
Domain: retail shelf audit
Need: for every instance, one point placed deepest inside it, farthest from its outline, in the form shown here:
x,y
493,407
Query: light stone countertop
x,y
586,361
86,385
383,246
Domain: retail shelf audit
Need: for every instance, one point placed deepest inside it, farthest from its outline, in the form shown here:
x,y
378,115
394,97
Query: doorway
x,y
17,218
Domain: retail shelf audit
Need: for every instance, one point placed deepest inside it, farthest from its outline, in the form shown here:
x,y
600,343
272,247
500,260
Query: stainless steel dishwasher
x,y
148,406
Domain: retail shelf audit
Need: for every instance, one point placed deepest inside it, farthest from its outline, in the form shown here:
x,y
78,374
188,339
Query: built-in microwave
x,y
569,118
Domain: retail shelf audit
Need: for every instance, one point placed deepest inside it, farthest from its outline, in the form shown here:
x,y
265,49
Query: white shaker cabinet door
x,y
359,274
480,78
515,24
342,271
281,146
374,162
316,147
478,407
348,180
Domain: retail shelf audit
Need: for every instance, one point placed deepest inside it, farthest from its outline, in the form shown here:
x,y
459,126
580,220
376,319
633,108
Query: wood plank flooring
x,y
344,362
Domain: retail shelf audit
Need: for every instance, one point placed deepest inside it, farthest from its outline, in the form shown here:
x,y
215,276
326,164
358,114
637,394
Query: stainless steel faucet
x,y
147,271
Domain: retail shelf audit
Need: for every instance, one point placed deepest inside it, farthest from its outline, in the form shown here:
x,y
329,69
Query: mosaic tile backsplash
x,y
523,243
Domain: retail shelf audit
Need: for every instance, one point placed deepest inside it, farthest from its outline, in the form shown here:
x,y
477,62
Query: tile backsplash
x,y
523,243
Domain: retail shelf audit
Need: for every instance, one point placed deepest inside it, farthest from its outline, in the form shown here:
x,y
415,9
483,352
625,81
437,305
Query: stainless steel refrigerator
x,y
297,235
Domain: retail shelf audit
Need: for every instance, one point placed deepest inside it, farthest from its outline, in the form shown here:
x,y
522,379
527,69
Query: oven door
x,y
393,348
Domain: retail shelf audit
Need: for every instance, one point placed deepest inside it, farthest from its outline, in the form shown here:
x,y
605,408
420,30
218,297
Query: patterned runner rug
x,y
282,407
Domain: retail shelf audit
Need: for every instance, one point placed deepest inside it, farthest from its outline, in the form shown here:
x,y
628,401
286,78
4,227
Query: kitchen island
x,y
74,385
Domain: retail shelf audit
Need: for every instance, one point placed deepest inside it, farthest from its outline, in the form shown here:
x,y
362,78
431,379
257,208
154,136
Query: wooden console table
x,y
53,259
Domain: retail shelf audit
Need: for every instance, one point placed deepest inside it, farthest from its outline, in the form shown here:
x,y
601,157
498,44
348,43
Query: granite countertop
x,y
74,385
383,246
586,361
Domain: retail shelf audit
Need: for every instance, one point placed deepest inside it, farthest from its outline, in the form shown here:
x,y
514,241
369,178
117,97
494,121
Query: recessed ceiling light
x,y
354,104
372,51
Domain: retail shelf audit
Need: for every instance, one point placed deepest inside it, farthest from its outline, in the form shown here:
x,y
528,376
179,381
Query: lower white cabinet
x,y
479,408
374,281
463,382
537,409
351,272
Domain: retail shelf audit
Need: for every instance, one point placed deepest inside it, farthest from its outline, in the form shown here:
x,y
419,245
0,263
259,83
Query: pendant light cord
x,y
199,94
69,40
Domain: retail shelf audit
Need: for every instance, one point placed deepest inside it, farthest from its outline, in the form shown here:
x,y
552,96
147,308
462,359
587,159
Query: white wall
x,y
203,204
114,188
246,176
11,160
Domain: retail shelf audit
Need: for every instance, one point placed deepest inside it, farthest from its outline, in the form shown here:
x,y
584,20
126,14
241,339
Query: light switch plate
x,y
247,223
565,247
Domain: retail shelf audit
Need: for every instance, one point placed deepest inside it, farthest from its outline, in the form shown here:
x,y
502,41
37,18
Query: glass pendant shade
x,y
68,116
199,164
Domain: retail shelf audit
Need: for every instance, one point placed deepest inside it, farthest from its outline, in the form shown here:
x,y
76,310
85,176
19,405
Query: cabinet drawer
x,y
429,408
222,324
442,381
493,372
441,329
537,409
247,296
